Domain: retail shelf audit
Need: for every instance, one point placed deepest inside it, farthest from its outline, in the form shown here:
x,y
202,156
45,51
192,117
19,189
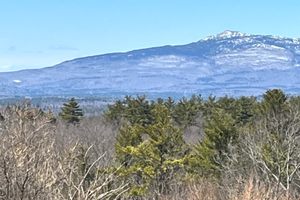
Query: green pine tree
x,y
71,112
132,110
274,102
186,111
246,110
211,153
153,155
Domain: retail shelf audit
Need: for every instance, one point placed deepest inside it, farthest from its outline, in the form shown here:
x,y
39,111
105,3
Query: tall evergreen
x,y
212,152
152,155
71,112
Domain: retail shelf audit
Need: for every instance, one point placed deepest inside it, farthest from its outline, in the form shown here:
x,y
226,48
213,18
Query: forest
x,y
194,148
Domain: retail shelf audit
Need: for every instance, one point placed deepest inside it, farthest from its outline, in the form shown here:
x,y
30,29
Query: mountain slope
x,y
229,63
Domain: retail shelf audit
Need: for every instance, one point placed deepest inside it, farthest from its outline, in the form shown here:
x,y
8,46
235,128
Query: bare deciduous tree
x,y
32,167
273,145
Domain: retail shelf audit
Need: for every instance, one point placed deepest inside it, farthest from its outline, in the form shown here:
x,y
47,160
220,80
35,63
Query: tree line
x,y
158,145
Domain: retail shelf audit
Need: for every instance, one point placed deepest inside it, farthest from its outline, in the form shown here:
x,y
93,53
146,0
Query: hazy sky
x,y
40,33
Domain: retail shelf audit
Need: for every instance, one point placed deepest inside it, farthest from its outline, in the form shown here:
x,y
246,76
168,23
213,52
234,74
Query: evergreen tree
x,y
152,155
209,105
228,104
186,111
170,103
71,112
115,111
246,110
138,110
213,150
274,102
132,110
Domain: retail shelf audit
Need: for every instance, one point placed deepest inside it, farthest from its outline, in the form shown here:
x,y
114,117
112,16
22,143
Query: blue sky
x,y
36,33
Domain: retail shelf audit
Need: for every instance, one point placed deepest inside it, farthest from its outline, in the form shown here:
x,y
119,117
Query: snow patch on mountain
x,y
226,35
17,81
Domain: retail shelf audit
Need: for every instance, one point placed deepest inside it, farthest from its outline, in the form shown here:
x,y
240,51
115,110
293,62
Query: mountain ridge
x,y
231,62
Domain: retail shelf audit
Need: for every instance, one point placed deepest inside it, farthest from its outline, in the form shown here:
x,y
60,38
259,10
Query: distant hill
x,y
230,63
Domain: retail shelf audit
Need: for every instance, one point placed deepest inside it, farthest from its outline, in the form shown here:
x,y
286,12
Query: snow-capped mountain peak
x,y
231,34
227,34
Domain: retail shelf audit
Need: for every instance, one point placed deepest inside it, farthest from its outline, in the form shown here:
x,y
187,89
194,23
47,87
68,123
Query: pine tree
x,y
213,150
186,111
132,110
246,110
71,112
274,102
151,155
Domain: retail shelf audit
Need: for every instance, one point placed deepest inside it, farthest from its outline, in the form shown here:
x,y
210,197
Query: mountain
x,y
230,63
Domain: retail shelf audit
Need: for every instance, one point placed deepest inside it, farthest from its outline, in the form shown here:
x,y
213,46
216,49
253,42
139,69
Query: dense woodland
x,y
192,148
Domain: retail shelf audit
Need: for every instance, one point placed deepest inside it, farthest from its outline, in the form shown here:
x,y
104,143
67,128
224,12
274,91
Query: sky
x,y
42,33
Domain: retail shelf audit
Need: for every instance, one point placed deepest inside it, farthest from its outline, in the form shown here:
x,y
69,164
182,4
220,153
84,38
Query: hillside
x,y
231,63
